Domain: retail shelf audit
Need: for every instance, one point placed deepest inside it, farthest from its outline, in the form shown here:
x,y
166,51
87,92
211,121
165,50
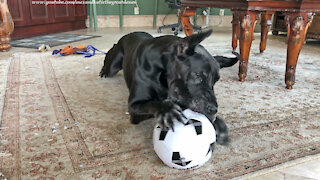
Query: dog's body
x,y
167,74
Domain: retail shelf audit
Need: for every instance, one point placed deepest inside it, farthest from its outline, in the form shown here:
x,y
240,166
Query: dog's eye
x,y
195,74
205,74
199,74
196,78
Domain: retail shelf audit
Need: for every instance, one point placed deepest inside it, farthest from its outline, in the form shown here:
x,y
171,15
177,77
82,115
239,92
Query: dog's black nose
x,y
211,112
212,109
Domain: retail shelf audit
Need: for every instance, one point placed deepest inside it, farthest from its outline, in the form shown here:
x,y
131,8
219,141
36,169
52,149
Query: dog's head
x,y
192,75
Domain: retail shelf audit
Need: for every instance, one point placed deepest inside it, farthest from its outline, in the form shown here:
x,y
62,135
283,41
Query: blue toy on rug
x,y
88,51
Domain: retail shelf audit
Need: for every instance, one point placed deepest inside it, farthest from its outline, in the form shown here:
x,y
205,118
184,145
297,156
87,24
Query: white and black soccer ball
x,y
189,146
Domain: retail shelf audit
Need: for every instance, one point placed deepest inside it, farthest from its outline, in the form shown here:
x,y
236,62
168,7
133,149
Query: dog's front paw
x,y
102,73
221,131
168,112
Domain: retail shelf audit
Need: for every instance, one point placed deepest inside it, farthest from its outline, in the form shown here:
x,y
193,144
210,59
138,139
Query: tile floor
x,y
307,170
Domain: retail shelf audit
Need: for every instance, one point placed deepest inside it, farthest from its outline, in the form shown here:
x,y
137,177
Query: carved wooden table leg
x,y
6,26
265,26
235,29
185,15
247,24
297,26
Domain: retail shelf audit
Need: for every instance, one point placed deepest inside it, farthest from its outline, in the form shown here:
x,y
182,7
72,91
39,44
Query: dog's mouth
x,y
183,105
211,116
197,106
204,106
202,102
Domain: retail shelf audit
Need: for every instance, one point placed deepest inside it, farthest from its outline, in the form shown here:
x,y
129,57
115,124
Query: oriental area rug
x,y
60,120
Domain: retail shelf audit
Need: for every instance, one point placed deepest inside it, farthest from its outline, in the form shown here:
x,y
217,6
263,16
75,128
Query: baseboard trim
x,y
147,20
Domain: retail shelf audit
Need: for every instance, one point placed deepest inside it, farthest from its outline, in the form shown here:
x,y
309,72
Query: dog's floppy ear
x,y
227,62
187,45
194,39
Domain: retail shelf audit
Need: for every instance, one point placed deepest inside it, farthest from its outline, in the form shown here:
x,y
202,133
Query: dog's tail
x,y
112,62
227,62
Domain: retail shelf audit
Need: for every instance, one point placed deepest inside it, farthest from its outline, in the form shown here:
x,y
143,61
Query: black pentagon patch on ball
x,y
178,160
197,125
163,133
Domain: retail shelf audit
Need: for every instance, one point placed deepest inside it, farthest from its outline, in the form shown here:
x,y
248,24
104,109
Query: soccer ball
x,y
189,146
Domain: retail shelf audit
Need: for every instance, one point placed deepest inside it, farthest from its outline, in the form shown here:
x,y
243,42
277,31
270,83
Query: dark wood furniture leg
x,y
265,26
185,15
247,24
235,29
6,26
297,25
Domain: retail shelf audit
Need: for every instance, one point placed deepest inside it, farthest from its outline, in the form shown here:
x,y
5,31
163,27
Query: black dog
x,y
166,75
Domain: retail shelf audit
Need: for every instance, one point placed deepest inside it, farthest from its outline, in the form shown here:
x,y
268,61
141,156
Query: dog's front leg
x,y
221,131
165,112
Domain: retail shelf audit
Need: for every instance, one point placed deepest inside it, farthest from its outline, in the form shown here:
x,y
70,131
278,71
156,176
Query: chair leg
x,y
265,26
297,25
175,26
207,19
235,29
247,24
185,15
177,29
